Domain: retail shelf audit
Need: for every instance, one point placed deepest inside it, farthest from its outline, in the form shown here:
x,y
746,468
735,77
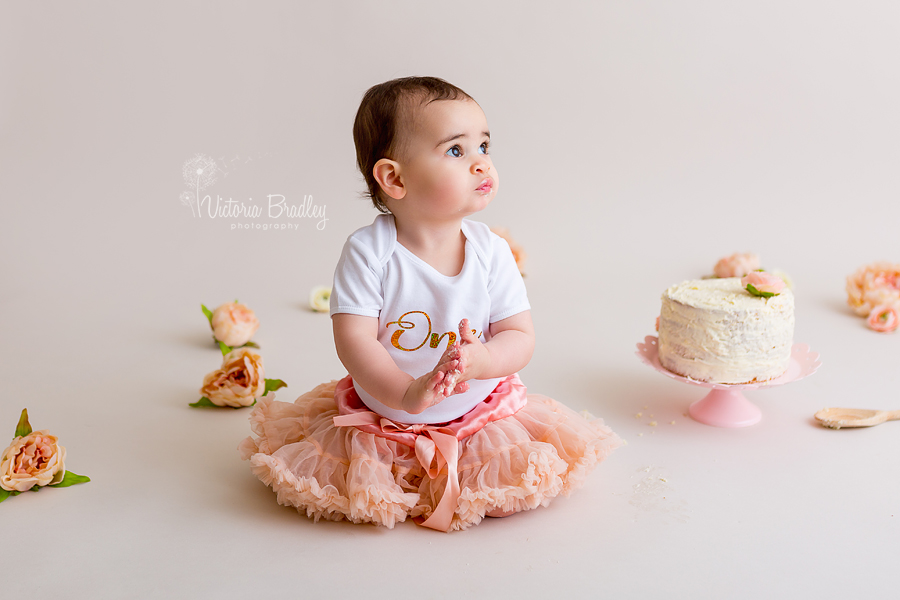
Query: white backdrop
x,y
638,142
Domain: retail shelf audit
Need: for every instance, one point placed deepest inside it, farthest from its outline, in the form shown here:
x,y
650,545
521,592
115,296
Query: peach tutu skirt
x,y
514,452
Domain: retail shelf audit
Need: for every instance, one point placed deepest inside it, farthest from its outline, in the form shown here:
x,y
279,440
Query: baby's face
x,y
448,172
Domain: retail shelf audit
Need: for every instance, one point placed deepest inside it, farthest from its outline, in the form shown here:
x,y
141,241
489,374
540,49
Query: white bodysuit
x,y
419,309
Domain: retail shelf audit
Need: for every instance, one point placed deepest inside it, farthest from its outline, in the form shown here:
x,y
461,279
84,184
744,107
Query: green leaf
x,y
274,384
71,478
251,345
208,314
24,427
225,349
3,494
204,401
756,292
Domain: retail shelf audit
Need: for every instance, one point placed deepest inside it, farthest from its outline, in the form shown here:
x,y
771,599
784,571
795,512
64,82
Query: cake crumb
x,y
651,416
639,415
671,422
664,480
640,435
652,423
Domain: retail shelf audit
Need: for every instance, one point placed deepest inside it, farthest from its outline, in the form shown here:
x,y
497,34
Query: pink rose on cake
x,y
884,318
873,285
760,283
736,265
788,282
34,459
239,382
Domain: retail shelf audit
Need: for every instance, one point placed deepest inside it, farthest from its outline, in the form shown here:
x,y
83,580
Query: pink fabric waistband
x,y
436,445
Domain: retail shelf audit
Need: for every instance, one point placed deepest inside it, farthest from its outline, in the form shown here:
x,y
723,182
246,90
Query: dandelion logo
x,y
200,172
187,198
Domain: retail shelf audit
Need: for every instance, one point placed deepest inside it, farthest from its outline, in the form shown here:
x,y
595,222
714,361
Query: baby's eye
x,y
455,152
483,148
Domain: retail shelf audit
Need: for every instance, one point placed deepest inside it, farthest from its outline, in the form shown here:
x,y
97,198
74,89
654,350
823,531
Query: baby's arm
x,y
509,349
369,364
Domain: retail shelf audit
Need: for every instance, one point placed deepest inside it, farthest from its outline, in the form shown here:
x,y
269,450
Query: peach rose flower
x,y
873,285
240,381
517,251
763,282
884,318
33,459
736,265
234,324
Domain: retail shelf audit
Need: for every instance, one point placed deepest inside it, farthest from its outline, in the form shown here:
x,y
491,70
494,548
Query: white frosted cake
x,y
713,330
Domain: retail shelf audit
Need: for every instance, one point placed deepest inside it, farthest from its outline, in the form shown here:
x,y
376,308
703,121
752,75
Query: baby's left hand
x,y
474,358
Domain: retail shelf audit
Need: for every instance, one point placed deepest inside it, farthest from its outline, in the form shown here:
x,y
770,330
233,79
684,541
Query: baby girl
x,y
432,322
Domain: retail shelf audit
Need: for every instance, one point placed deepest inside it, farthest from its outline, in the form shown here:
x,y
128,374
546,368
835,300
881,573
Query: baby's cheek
x,y
447,189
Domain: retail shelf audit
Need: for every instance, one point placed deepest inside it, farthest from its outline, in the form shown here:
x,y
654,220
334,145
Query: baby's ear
x,y
387,174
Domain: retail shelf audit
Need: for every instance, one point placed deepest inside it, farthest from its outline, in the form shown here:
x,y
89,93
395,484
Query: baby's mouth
x,y
485,186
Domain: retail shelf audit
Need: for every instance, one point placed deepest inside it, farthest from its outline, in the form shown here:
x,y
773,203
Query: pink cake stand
x,y
725,405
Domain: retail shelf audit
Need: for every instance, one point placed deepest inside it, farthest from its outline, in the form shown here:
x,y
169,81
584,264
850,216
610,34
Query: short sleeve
x,y
505,284
357,281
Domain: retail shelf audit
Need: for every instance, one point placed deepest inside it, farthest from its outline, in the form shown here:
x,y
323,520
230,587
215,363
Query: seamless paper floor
x,y
637,143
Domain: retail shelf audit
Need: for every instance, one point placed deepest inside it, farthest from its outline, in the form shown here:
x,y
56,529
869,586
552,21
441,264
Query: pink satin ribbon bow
x,y
436,448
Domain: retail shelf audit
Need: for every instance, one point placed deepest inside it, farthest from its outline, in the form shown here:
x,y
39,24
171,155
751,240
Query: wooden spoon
x,y
836,418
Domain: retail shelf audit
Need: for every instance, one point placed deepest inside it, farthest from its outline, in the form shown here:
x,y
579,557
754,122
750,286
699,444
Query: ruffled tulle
x,y
513,464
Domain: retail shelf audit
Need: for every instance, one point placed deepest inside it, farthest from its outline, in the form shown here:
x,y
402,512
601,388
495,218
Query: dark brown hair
x,y
383,108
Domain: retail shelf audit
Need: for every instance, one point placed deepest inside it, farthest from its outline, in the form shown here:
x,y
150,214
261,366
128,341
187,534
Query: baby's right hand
x,y
430,389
